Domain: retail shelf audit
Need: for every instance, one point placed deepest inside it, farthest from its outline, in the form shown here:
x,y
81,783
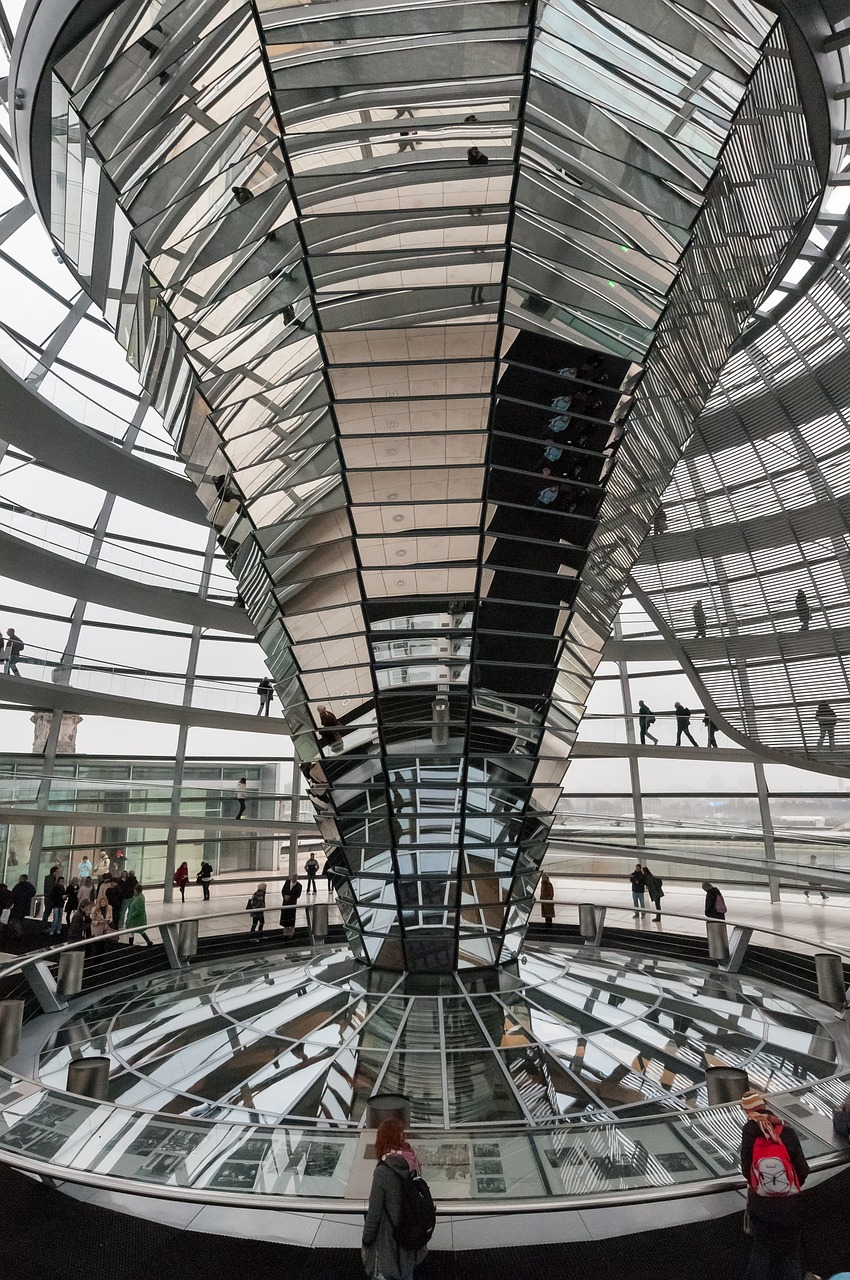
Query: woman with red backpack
x,y
775,1168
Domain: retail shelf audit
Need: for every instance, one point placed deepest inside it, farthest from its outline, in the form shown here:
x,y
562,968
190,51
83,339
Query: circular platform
x,y
562,1036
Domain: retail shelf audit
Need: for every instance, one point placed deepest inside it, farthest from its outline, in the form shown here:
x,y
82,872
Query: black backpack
x,y
417,1217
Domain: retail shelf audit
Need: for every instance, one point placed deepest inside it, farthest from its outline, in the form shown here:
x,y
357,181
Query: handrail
x,y
444,1208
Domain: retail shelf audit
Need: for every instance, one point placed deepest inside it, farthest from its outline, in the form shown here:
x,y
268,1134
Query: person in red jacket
x,y
181,879
773,1163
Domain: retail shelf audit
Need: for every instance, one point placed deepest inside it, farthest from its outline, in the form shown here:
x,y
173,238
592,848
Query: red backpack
x,y
772,1174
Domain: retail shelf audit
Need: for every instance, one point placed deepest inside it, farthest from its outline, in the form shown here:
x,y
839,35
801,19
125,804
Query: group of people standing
x,y
290,892
644,883
203,878
91,908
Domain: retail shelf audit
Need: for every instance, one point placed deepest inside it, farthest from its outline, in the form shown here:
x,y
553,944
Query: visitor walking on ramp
x,y
645,719
683,721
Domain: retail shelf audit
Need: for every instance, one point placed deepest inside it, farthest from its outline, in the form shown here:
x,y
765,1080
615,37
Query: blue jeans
x,y
637,899
56,920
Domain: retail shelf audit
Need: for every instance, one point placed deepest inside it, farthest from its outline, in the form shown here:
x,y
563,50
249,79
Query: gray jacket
x,y
381,1254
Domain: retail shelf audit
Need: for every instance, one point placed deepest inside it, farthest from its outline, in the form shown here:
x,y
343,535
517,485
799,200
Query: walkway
x,y
29,563
44,432
823,923
47,696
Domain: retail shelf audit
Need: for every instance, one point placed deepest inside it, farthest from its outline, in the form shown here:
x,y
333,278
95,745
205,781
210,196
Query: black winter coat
x,y
290,893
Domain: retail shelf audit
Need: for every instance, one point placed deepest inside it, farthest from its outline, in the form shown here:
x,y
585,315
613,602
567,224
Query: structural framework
x,y
430,300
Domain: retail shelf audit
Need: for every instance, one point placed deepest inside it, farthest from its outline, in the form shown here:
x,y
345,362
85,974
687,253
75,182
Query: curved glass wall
x,y
553,233
59,344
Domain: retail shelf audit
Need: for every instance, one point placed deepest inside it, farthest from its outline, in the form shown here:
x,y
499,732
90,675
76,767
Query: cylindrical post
x,y
830,971
386,1106
11,1022
317,922
587,920
440,723
187,938
725,1084
89,1077
69,980
718,942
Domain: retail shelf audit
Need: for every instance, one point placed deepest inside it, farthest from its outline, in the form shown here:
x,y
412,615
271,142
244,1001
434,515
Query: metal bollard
x,y
69,980
317,922
386,1106
718,943
830,972
11,1022
587,921
187,938
89,1077
725,1084
440,723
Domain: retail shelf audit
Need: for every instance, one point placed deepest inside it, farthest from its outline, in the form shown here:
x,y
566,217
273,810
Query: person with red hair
x,y
383,1257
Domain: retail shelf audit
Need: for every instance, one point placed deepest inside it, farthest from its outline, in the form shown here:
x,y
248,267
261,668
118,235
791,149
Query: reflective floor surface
x,y
572,1075
563,1035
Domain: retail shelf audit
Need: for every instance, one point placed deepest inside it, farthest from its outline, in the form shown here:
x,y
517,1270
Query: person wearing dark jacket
x,y
638,882
47,895
841,1119
265,692
712,893
683,722
115,896
22,896
381,1254
127,884
57,902
775,1220
204,877
256,905
711,728
804,613
547,900
289,895
655,890
72,899
645,719
79,926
